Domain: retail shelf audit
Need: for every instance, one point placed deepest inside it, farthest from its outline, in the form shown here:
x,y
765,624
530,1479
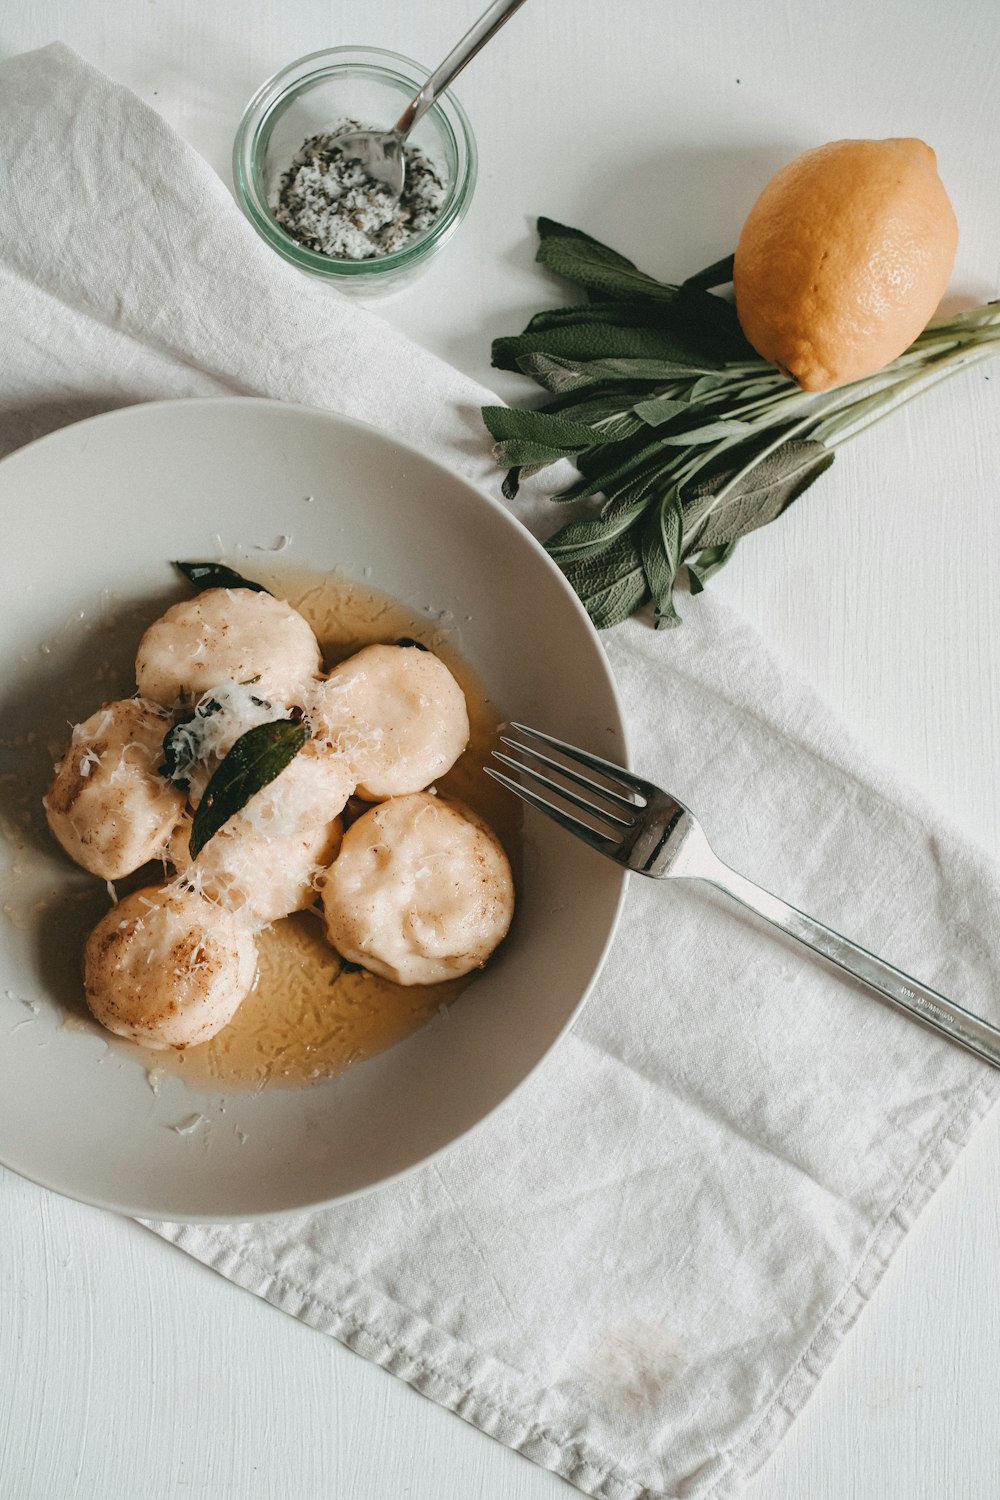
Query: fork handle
x,y
908,994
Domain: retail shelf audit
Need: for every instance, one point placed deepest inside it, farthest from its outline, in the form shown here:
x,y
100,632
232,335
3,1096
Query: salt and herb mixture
x,y
330,205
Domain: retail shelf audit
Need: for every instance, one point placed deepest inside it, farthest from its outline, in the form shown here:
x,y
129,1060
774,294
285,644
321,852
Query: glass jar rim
x,y
296,78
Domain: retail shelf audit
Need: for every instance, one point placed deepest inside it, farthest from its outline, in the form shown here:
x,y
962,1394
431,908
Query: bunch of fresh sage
x,y
689,439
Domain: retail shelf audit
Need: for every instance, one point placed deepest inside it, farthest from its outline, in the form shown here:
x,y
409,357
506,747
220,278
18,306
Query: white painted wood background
x,y
127,1370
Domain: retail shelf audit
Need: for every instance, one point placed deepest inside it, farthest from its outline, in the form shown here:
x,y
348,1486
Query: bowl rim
x,y
136,412
277,91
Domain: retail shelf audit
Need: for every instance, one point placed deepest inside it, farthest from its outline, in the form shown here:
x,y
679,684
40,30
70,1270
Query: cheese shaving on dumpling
x,y
221,716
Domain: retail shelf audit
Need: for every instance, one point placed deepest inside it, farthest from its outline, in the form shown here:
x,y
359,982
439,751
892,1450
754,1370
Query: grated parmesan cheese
x,y
221,716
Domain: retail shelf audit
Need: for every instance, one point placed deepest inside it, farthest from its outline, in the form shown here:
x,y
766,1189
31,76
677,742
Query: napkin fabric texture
x,y
638,1269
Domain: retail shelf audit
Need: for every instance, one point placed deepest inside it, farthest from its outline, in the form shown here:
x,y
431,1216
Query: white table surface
x,y
127,1369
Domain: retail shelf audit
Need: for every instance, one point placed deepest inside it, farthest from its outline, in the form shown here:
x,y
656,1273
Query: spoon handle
x,y
475,39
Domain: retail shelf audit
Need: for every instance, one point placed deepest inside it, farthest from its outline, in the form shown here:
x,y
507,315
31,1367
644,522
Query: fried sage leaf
x,y
179,746
255,760
214,575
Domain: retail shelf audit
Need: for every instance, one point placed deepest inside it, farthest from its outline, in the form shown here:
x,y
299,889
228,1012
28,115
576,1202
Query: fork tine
x,y
602,842
584,757
564,791
591,786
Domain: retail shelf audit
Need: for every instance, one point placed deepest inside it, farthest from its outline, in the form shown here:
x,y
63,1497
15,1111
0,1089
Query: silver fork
x,y
643,828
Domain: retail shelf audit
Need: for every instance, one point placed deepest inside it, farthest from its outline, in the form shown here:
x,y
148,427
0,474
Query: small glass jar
x,y
314,95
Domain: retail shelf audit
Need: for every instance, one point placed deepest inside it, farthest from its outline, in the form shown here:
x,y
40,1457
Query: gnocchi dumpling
x,y
397,714
421,891
265,862
167,968
228,635
108,806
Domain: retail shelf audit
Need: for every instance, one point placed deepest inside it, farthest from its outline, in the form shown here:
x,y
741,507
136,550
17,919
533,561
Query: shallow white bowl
x,y
98,510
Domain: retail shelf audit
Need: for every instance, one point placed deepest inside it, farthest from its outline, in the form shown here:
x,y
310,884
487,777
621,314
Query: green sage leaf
x,y
555,431
650,479
715,323
588,263
647,369
619,314
535,437
660,409
511,483
255,760
615,427
661,556
554,374
708,561
612,584
719,274
711,432
707,385
563,376
603,341
761,496
551,229
538,437
585,538
604,470
606,413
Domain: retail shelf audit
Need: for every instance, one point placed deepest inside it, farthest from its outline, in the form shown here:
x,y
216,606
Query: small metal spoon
x,y
380,152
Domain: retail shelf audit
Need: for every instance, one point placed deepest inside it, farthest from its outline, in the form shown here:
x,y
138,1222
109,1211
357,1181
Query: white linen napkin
x,y
637,1270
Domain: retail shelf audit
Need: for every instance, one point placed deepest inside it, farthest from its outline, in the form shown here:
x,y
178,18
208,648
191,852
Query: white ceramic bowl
x,y
92,516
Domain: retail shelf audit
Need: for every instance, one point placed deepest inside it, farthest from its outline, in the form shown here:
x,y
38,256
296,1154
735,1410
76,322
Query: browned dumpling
x,y
167,968
108,805
397,714
234,635
421,891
